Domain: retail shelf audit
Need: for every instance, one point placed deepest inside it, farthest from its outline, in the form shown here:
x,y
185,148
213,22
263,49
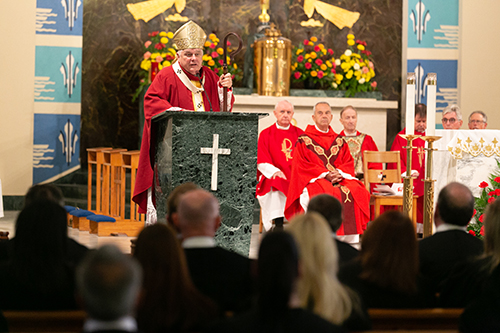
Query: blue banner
x,y
61,17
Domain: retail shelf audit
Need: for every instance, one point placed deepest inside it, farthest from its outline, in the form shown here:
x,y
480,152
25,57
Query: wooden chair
x,y
95,157
377,176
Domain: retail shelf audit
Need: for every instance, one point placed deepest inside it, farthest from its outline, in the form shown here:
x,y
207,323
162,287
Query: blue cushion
x,y
69,208
100,218
81,212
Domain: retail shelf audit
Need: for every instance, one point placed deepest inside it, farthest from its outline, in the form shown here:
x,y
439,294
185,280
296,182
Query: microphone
x,y
201,82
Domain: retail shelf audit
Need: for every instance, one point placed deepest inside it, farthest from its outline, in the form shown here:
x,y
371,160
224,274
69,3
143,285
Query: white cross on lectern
x,y
215,151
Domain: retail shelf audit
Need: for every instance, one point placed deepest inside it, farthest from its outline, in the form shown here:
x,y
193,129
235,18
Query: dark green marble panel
x,y
179,138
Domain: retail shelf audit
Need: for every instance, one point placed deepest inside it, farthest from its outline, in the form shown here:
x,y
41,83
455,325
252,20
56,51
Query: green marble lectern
x,y
218,152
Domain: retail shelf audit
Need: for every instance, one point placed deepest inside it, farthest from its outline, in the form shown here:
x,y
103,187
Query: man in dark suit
x,y
222,275
451,244
109,283
331,209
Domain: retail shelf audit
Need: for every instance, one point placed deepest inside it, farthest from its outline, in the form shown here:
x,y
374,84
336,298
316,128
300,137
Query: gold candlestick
x,y
408,179
264,16
429,187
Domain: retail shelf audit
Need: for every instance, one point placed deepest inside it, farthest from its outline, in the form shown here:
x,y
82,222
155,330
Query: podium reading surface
x,y
218,152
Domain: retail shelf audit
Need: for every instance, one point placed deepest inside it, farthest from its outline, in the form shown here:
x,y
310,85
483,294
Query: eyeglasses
x,y
450,120
477,121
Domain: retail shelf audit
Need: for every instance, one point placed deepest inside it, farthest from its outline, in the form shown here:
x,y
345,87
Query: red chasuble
x,y
418,164
168,91
276,147
315,154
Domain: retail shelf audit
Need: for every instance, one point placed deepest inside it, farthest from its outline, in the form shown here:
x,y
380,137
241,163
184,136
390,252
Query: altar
x,y
465,156
372,113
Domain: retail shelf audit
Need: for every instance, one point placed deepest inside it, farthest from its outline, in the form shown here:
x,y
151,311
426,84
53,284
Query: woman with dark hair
x,y
386,273
278,304
37,276
170,302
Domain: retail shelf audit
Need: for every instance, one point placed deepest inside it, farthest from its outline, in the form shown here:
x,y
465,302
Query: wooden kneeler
x,y
117,164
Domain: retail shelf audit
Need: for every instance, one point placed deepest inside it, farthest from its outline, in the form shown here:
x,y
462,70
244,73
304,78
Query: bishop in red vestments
x,y
417,159
274,164
322,163
185,85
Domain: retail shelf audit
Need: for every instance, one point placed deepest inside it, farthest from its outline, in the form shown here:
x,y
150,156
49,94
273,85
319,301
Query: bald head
x,y
198,214
455,204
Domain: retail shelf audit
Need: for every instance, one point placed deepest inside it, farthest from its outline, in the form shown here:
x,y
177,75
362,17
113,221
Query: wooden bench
x,y
415,320
45,321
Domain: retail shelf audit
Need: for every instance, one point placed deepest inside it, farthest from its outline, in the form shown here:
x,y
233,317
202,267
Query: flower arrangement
x,y
355,69
313,64
488,195
158,52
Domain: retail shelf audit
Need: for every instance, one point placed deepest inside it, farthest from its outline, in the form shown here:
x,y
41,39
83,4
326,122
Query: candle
x,y
410,103
431,104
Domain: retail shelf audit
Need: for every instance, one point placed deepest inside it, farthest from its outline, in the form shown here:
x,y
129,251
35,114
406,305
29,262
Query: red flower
x,y
317,49
472,232
482,231
483,185
159,46
368,53
320,74
330,51
221,62
497,191
216,70
490,200
308,65
300,58
212,46
169,57
333,71
474,213
491,193
215,54
228,43
361,42
318,62
481,218
154,33
306,42
297,75
497,179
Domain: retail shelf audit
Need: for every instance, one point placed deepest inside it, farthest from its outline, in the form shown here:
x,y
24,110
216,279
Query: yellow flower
x,y
164,40
361,47
356,55
314,39
166,63
299,51
357,74
349,74
328,63
205,57
324,51
211,62
323,67
207,43
293,67
345,66
338,77
314,73
216,40
350,42
170,35
160,67
235,66
164,55
321,46
155,55
146,64
295,64
314,55
228,60
350,36
307,56
163,34
220,50
310,43
212,37
172,51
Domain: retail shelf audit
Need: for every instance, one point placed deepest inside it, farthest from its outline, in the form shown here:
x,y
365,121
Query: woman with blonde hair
x,y
319,289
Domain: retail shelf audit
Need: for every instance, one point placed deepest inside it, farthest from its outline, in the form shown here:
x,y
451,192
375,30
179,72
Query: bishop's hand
x,y
334,177
226,81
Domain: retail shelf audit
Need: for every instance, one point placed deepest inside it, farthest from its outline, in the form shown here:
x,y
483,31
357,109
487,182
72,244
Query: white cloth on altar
x,y
1,200
465,156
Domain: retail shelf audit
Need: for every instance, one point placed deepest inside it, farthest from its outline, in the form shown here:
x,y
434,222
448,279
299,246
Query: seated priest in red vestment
x,y
274,164
417,161
322,163
186,85
358,142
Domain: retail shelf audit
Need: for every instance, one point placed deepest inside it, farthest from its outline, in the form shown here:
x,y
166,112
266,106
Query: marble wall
x,y
112,50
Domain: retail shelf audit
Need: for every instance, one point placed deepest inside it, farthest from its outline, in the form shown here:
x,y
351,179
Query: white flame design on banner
x,y
420,18
68,139
70,72
71,11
